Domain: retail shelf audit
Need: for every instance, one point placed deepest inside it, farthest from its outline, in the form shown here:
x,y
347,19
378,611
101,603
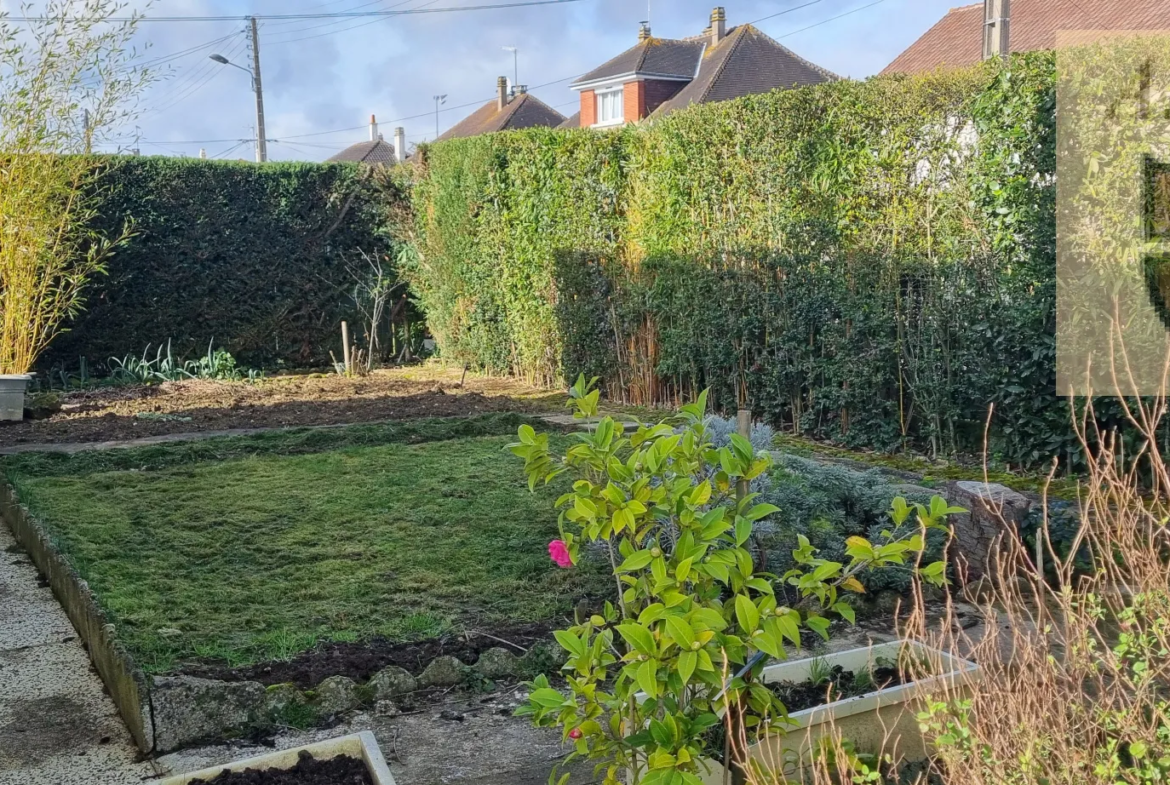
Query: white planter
x,y
362,746
883,718
12,389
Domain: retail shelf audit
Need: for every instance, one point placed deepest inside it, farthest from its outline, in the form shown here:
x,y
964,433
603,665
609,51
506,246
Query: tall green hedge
x,y
870,261
252,257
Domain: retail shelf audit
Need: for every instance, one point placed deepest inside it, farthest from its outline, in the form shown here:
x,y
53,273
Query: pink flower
x,y
575,734
560,554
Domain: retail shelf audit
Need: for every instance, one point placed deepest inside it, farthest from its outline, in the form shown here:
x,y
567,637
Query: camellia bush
x,y
694,622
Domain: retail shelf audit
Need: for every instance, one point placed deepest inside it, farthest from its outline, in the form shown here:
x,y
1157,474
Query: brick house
x,y
957,39
508,112
661,75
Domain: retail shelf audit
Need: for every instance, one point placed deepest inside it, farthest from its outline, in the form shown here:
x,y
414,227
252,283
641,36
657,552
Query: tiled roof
x,y
572,122
379,152
746,62
957,39
524,111
653,57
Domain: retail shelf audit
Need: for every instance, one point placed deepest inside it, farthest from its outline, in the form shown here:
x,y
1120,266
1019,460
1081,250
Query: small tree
x,y
66,79
648,676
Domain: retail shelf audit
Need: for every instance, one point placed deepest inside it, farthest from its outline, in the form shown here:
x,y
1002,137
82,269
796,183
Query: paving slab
x,y
57,725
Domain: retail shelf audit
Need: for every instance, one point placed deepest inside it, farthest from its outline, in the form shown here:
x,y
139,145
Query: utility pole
x,y
997,15
258,88
439,99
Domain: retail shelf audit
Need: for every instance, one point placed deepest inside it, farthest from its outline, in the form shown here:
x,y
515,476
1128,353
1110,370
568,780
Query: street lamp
x,y
257,88
439,99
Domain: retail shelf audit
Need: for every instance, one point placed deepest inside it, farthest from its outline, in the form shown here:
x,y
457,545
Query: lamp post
x,y
439,99
257,88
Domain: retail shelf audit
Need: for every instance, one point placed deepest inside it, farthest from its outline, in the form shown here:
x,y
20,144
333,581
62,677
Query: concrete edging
x,y
125,682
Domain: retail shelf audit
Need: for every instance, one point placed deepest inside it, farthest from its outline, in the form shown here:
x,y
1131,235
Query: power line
x,y
833,18
343,29
782,13
273,17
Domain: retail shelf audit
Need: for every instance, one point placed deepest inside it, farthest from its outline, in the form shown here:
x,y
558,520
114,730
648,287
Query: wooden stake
x,y
345,348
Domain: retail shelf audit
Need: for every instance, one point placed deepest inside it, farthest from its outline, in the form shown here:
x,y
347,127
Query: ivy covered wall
x,y
867,261
252,257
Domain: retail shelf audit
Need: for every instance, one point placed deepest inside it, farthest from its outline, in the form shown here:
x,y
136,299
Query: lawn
x,y
253,549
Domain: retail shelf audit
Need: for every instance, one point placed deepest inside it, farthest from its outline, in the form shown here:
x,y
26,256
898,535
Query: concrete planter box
x,y
12,390
867,720
361,746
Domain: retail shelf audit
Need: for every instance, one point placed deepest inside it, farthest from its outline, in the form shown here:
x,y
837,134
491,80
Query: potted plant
x,y
693,619
360,748
67,62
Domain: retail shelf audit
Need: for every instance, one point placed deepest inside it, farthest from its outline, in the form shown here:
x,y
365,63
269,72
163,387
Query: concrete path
x,y
57,725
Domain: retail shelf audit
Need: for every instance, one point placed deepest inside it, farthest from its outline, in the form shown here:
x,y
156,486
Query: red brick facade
x,y
634,101
588,108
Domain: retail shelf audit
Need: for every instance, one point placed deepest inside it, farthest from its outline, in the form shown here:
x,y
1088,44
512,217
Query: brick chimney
x,y
501,93
644,32
718,25
400,144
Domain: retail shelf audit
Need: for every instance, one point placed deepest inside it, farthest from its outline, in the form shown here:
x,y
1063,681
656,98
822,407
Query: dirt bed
x,y
124,413
342,770
360,661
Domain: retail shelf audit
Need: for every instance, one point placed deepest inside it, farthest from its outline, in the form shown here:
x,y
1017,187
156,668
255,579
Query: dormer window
x,y
611,106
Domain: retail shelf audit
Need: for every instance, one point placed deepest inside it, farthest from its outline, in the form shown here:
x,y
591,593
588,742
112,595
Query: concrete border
x,y
125,682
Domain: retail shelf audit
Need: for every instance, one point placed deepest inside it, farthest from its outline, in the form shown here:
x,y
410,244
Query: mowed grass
x,y
252,559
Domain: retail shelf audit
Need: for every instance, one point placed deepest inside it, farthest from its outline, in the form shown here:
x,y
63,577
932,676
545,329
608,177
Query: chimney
x,y
501,93
997,28
400,144
644,32
718,25
520,89
203,153
373,128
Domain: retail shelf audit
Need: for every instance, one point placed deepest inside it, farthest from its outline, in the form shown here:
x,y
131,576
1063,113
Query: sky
x,y
323,78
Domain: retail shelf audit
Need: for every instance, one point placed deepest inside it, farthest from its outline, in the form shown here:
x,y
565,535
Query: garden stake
x,y
345,348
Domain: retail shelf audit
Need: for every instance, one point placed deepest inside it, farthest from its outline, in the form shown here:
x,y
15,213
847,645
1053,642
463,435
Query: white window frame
x,y
609,92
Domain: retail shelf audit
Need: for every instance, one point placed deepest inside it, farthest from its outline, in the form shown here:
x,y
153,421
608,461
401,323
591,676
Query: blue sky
x,y
322,76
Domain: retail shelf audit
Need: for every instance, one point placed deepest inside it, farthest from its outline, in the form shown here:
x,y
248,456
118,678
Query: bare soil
x,y
342,770
360,661
125,413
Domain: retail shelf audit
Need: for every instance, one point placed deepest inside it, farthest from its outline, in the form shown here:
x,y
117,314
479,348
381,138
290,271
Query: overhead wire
x,y
343,29
782,13
832,19
196,81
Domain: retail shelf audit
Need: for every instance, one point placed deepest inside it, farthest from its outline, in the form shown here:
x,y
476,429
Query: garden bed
x,y
132,412
296,559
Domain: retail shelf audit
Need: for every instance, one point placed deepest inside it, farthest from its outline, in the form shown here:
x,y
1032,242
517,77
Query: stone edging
x,y
126,684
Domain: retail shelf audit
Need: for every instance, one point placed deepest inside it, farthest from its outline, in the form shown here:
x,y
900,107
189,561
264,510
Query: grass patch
x,y
237,553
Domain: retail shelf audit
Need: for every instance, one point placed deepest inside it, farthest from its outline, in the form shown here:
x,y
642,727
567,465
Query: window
x,y
611,107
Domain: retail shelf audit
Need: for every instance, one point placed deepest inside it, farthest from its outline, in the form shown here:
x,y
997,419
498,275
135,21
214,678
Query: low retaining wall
x,y
126,684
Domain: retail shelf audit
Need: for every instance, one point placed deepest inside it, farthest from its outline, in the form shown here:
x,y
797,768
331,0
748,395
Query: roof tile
x,y
523,111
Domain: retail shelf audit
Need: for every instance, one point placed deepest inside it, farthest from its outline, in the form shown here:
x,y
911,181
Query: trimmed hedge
x,y
867,261
252,257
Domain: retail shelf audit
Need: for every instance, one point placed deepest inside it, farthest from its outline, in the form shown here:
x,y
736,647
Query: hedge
x,y
250,257
867,261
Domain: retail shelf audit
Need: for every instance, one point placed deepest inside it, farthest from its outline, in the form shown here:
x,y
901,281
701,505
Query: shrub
x,y
646,676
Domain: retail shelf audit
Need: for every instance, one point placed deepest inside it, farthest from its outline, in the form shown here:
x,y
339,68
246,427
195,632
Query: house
x,y
509,111
957,39
662,75
375,151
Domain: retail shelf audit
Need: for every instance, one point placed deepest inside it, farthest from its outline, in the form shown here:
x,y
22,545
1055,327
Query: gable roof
x,y
745,62
572,122
662,57
957,39
379,152
523,111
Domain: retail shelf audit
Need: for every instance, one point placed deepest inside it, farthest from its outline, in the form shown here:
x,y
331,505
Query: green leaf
x,y
639,560
639,638
547,698
846,612
687,662
743,530
762,511
747,614
648,678
818,624
570,643
680,631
